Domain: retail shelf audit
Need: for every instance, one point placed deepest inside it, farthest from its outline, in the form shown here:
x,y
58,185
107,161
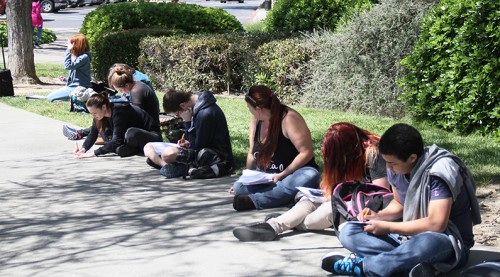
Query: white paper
x,y
315,195
255,177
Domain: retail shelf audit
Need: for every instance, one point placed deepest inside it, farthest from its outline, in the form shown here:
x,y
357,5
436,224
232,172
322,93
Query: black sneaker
x,y
351,265
243,203
152,164
126,151
255,232
269,216
422,270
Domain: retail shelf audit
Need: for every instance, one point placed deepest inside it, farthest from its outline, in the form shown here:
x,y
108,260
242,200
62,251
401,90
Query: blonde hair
x,y
120,74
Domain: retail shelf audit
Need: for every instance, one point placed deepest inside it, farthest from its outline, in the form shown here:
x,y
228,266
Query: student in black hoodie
x,y
206,127
131,128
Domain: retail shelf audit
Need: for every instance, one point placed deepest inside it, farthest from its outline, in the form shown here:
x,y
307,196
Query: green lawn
x,y
481,154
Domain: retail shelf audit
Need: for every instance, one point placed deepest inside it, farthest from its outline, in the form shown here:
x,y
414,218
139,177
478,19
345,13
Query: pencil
x,y
366,212
77,148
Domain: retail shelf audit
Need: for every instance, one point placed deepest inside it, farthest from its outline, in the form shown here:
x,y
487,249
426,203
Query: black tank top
x,y
284,154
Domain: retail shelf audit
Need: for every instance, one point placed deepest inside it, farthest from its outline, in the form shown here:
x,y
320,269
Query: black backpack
x,y
208,164
351,197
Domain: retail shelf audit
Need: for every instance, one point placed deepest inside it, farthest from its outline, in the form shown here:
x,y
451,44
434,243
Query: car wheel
x,y
47,6
241,1
222,1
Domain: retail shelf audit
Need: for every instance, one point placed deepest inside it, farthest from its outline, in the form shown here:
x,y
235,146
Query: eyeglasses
x,y
249,98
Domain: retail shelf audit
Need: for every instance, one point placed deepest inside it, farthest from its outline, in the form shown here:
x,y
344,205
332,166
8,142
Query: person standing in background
x,y
37,20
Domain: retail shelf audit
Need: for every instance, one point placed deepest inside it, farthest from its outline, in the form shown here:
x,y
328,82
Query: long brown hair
x,y
97,100
80,44
346,151
263,97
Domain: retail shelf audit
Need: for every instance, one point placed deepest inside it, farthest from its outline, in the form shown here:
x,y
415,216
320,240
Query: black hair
x,y
401,140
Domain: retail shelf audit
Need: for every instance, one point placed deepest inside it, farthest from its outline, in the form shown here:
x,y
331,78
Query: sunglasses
x,y
249,98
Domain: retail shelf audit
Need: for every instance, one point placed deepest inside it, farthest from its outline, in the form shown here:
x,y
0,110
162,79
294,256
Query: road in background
x,y
72,18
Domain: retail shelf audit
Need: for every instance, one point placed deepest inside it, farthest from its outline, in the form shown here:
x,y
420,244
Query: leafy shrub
x,y
120,47
283,65
454,76
48,35
187,17
307,15
357,68
204,62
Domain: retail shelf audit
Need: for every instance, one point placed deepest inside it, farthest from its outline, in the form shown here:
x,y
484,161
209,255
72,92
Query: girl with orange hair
x,y
349,153
77,61
280,144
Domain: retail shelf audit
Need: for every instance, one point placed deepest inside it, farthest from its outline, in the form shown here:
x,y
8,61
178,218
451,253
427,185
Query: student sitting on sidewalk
x,y
349,153
134,86
434,194
281,144
205,125
131,128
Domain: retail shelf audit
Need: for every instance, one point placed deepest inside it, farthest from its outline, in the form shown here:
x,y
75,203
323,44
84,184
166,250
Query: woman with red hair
x,y
349,153
280,144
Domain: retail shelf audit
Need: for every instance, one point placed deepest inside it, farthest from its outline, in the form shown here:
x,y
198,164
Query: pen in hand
x,y
77,148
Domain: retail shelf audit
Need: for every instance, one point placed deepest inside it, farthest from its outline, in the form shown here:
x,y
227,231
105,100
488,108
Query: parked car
x,y
92,2
49,6
75,3
239,1
2,7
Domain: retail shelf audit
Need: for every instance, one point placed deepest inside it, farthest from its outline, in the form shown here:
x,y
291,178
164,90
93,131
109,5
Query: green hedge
x,y
48,35
120,47
186,17
204,62
284,66
357,68
307,15
454,77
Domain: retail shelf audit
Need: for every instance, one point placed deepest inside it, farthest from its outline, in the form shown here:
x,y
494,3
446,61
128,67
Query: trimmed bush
x,y
283,65
357,68
120,47
48,35
308,15
201,62
186,17
454,77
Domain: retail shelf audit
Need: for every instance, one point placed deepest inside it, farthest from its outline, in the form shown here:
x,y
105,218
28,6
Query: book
x,y
255,177
315,195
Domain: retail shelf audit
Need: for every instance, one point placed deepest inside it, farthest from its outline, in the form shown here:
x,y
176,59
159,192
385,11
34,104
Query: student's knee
x,y
169,155
148,150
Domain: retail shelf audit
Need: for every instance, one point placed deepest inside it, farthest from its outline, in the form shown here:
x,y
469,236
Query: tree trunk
x,y
21,58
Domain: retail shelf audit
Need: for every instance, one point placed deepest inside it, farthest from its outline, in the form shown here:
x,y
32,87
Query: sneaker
x,y
341,265
126,151
152,164
269,216
173,170
243,203
255,232
422,270
70,133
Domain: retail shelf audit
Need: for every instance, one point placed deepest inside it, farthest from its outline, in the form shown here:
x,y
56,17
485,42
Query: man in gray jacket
x,y
434,195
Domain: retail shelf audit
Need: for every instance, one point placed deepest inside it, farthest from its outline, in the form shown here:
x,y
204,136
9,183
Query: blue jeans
x,y
283,192
38,34
385,255
61,94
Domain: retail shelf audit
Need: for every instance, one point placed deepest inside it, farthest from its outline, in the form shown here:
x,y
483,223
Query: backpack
x,y
76,105
172,128
351,197
208,164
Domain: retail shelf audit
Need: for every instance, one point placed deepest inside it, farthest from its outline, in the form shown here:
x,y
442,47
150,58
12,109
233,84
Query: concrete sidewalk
x,y
112,216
